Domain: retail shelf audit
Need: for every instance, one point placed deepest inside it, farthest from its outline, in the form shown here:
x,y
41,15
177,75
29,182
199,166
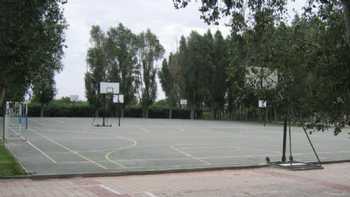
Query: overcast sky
x,y
158,15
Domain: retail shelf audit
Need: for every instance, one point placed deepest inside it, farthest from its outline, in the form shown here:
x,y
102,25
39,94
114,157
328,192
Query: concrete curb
x,y
132,173
150,172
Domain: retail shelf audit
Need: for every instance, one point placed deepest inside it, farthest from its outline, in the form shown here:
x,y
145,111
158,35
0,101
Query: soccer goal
x,y
15,122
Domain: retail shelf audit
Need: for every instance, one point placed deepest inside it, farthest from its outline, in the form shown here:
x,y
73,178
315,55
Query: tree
x,y
44,89
220,63
121,47
191,72
97,64
149,52
213,11
32,37
190,58
168,77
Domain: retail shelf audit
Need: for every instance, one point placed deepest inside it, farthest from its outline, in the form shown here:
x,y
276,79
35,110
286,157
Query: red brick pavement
x,y
334,180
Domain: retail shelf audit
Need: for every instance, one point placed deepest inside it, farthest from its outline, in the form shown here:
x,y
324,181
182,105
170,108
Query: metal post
x,y
104,110
26,115
312,146
290,142
119,114
266,116
284,139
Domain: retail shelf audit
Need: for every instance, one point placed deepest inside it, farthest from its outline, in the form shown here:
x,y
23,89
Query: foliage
x,y
149,52
65,108
121,47
161,104
97,64
310,57
121,56
44,88
32,36
197,72
213,11
168,83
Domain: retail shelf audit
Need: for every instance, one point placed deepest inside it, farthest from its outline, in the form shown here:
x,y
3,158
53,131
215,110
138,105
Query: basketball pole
x,y
119,114
284,140
104,110
26,115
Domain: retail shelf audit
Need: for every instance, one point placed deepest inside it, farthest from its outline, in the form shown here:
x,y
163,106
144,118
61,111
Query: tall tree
x,y
167,82
97,66
191,59
31,40
220,63
121,47
44,89
149,52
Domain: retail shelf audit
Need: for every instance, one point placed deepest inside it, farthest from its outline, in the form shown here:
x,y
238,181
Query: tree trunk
x,y
346,10
275,116
122,112
2,95
192,113
145,113
170,113
42,110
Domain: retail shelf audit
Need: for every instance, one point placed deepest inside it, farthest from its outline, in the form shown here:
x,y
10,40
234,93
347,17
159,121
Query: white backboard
x,y
118,98
183,102
262,103
109,88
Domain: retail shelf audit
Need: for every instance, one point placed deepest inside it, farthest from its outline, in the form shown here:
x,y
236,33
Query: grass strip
x,y
8,164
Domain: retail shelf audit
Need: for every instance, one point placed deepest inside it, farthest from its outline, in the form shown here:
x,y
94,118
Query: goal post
x,y
15,120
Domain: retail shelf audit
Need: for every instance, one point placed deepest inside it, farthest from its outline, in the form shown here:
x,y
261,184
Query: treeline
x,y
301,69
65,107
119,55
197,73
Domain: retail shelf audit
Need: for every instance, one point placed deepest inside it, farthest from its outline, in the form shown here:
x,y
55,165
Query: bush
x,y
84,110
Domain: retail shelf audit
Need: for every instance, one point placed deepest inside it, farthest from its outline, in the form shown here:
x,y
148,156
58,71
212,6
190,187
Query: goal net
x,y
15,121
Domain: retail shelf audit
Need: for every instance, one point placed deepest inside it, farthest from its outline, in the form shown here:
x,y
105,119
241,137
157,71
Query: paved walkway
x,y
334,180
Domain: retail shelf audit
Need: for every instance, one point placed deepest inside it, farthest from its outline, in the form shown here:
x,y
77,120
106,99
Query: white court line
x,y
108,158
189,155
42,152
181,130
144,130
68,149
110,189
108,155
60,121
149,194
35,147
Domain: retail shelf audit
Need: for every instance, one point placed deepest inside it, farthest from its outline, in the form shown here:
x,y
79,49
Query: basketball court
x,y
53,146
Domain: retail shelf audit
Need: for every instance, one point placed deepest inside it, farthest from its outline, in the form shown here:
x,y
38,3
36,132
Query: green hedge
x,y
87,111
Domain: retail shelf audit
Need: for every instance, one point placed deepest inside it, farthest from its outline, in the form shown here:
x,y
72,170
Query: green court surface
x,y
74,145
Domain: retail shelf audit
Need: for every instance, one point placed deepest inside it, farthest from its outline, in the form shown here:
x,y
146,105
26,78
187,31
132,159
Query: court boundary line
x,y
34,147
150,194
144,129
108,155
69,149
189,155
42,152
109,189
